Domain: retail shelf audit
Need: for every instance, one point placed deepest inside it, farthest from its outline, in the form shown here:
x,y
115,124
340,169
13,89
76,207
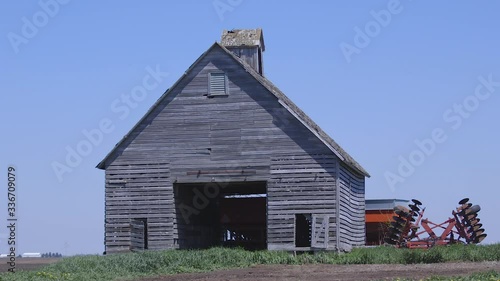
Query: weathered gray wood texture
x,y
137,233
189,138
138,190
251,55
351,208
301,183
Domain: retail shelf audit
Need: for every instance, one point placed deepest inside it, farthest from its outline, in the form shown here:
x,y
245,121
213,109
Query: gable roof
x,y
282,99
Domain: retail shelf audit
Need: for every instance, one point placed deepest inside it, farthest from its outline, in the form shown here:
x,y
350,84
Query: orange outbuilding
x,y
379,213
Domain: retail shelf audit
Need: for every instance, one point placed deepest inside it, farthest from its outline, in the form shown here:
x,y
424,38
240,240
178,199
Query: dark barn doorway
x,y
303,230
221,214
139,234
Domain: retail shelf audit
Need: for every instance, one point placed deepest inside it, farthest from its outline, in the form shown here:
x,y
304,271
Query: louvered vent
x,y
217,84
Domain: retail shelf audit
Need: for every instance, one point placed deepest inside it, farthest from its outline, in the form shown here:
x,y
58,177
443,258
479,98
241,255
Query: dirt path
x,y
335,272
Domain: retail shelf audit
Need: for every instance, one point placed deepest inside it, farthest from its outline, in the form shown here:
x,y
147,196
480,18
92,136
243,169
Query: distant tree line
x,y
51,255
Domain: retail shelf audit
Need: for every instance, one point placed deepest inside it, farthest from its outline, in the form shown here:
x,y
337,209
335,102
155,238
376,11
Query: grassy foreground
x,y
156,263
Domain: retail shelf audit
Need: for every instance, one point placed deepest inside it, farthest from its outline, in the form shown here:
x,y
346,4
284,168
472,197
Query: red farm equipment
x,y
410,230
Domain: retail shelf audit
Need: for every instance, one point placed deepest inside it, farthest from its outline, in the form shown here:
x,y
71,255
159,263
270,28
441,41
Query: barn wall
x,y
301,184
244,136
138,190
351,208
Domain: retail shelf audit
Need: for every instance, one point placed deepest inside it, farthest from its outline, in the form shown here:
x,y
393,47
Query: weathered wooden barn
x,y
224,158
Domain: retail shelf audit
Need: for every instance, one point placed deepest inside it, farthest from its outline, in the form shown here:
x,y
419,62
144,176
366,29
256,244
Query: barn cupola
x,y
247,44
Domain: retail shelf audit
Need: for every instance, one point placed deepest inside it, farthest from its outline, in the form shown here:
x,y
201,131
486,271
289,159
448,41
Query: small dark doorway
x,y
139,234
221,214
302,230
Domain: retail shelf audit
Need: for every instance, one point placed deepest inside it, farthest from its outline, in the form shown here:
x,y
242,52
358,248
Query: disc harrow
x,y
409,229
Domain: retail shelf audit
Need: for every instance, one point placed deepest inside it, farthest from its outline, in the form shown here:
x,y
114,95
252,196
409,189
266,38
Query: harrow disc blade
x,y
395,230
470,217
397,225
418,203
463,201
414,208
401,213
478,232
473,210
471,223
466,206
389,241
399,219
393,237
480,238
475,228
475,221
464,209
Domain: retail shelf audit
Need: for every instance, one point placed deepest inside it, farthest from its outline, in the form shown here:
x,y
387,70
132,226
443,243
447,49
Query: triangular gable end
x,y
104,163
282,98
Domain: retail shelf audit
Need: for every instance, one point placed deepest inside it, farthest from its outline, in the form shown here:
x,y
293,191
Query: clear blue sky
x,y
396,88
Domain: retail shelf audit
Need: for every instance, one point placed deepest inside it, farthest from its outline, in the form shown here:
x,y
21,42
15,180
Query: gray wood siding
x,y
244,136
240,130
351,208
138,190
250,55
300,184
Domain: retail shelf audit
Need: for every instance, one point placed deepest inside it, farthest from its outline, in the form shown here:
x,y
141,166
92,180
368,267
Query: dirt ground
x,y
318,272
336,272
26,263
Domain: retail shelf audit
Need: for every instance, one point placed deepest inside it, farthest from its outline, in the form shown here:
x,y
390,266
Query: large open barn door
x,y
221,214
319,229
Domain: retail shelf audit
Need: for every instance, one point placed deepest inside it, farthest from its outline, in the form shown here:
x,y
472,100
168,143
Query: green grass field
x,y
154,263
